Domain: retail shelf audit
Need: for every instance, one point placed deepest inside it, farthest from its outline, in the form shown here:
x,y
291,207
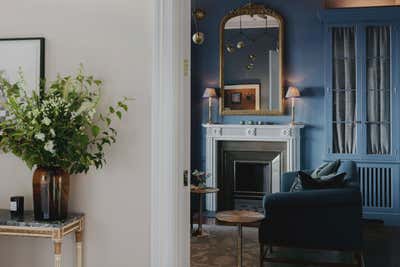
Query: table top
x,y
29,220
203,190
239,216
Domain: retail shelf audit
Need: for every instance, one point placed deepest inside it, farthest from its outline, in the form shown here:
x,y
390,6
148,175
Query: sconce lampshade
x,y
209,92
293,92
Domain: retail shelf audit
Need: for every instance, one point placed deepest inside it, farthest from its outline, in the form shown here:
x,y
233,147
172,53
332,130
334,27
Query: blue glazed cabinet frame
x,y
360,19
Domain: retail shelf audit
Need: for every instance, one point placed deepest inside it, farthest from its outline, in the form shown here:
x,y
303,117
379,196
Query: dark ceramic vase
x,y
50,194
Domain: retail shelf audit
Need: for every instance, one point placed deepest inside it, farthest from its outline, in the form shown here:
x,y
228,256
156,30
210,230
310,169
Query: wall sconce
x,y
291,94
210,93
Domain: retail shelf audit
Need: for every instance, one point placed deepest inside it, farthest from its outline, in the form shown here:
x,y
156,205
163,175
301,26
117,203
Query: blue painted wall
x,y
303,68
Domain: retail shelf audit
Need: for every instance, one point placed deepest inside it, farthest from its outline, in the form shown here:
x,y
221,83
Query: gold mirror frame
x,y
251,9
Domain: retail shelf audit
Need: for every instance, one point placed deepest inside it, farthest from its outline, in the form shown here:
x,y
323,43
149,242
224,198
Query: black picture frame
x,y
42,57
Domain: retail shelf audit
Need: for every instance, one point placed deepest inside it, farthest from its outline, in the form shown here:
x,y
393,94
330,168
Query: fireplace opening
x,y
252,180
247,171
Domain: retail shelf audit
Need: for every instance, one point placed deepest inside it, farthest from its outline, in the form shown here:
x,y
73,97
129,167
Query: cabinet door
x,y
344,90
378,87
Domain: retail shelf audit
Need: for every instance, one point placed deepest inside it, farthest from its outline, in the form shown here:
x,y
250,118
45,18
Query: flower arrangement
x,y
60,127
201,178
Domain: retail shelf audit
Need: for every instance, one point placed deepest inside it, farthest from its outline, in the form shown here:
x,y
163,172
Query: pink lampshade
x,y
292,92
209,92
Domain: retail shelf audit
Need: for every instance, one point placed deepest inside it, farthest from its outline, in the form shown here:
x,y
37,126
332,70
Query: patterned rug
x,y
219,249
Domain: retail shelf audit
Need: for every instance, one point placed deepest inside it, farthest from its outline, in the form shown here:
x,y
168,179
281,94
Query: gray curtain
x,y
344,91
378,86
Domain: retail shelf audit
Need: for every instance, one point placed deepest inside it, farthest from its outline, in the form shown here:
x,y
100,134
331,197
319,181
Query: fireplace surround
x,y
271,149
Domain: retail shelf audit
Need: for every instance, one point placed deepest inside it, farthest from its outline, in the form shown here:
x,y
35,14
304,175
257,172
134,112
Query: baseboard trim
x,y
388,218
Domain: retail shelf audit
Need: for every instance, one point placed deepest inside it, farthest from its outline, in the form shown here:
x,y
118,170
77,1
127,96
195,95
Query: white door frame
x,y
170,135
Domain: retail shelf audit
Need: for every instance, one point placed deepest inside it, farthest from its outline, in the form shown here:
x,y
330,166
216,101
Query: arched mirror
x,y
251,61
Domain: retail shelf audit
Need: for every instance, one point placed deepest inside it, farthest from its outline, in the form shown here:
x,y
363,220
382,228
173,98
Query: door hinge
x,y
185,178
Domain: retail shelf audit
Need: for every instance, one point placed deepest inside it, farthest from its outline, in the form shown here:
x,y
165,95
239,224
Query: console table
x,y
57,230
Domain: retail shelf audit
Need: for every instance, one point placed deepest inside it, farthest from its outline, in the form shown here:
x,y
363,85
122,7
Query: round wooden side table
x,y
202,192
239,217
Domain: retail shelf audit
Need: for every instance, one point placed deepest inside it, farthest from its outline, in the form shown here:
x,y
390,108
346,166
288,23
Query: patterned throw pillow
x,y
333,181
324,172
326,169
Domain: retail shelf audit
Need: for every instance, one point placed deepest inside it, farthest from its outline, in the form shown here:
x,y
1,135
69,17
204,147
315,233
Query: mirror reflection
x,y
251,65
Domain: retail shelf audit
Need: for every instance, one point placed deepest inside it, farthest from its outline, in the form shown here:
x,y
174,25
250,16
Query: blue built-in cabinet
x,y
362,100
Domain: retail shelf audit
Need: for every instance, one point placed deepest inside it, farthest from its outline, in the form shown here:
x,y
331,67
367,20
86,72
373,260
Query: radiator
x,y
376,186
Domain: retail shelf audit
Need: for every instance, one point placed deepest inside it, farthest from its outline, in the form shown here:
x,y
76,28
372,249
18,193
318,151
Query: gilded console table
x,y
57,230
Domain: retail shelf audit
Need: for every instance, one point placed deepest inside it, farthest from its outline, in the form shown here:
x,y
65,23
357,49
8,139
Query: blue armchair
x,y
328,219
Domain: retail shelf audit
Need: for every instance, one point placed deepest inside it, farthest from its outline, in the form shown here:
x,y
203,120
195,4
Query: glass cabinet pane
x,y
378,83
344,90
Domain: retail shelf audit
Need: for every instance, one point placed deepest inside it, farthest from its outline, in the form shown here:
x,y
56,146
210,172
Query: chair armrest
x,y
313,198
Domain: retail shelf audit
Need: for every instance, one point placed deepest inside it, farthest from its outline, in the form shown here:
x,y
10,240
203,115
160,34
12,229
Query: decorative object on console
x,y
210,94
291,94
21,54
242,97
17,207
56,132
201,178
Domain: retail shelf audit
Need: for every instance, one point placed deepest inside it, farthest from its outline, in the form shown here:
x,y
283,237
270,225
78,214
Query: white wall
x,y
113,38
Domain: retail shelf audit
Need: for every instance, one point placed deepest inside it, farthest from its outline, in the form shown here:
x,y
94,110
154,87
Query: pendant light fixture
x,y
198,14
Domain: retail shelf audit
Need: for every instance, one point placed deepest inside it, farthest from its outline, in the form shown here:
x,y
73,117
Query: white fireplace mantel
x,y
264,133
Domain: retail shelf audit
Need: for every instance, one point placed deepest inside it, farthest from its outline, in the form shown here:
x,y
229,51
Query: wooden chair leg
x,y
359,256
261,255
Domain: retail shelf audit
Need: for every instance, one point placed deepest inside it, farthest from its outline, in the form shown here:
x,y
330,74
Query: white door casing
x,y
170,140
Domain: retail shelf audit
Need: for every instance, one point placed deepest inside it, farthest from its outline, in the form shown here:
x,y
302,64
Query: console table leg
x,y
79,248
57,254
240,246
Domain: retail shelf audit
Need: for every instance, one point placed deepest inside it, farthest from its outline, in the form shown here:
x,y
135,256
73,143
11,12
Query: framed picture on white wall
x,y
26,55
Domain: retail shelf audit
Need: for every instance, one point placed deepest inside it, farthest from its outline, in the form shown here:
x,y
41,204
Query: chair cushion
x,y
326,169
326,182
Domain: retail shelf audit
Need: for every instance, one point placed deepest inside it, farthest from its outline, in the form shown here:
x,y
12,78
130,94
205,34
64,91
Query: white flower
x,y
11,117
46,121
73,115
52,132
40,136
85,106
49,146
91,113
